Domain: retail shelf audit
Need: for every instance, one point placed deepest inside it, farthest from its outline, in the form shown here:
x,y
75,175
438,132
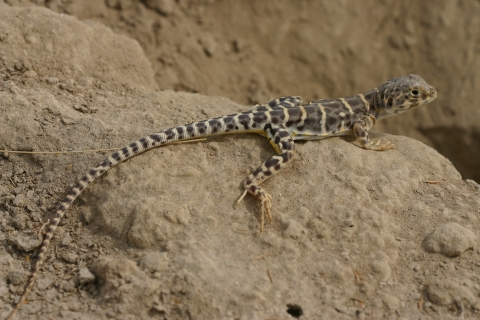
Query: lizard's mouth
x,y
425,99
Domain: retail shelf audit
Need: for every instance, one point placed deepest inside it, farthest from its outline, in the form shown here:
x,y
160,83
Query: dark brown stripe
x,y
134,147
116,156
278,114
259,117
271,162
244,117
144,143
273,103
294,112
214,123
154,137
356,103
286,145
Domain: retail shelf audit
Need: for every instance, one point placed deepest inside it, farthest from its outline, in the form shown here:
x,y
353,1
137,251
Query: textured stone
x,y
450,239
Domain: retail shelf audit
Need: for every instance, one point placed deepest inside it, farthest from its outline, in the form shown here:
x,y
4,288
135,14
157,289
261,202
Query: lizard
x,y
281,121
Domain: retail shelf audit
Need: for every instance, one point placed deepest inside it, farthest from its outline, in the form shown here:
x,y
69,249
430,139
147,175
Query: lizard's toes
x,y
265,210
388,145
379,146
268,207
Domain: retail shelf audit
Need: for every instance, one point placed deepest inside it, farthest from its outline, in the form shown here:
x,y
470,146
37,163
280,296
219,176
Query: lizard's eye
x,y
390,102
415,92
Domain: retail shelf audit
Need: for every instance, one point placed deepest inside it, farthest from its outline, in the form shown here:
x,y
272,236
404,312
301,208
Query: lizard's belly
x,y
313,136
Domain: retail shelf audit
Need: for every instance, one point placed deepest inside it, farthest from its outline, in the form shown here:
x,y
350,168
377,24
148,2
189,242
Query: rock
x,y
294,230
4,190
18,277
52,80
65,50
66,239
19,201
154,262
84,275
148,228
68,286
20,219
70,257
124,284
25,242
106,269
44,283
446,292
450,239
164,7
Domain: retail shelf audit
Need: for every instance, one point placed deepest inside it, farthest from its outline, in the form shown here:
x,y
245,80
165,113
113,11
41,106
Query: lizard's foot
x,y
265,203
379,146
240,199
265,209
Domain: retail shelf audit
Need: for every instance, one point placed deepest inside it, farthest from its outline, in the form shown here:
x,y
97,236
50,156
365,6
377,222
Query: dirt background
x,y
157,237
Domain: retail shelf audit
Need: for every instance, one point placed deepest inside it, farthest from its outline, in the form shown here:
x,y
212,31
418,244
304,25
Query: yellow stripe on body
x,y
323,131
367,105
347,105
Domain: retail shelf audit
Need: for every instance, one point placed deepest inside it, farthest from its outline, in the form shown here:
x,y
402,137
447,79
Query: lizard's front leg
x,y
281,140
360,129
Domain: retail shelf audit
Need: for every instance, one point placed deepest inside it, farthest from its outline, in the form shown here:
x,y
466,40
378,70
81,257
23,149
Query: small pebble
x,y
25,242
18,277
52,80
85,276
450,239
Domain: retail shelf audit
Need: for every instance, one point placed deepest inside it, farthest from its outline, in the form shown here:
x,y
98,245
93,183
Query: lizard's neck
x,y
377,103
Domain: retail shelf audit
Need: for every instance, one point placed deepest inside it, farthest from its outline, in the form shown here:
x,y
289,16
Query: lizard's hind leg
x,y
281,140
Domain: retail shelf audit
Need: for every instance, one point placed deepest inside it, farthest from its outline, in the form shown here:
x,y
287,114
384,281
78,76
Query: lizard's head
x,y
402,94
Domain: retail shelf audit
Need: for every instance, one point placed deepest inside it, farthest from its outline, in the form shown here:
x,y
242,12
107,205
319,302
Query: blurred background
x,y
251,51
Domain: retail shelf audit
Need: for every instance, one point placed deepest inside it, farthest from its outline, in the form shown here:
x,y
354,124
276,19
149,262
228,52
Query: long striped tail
x,y
194,130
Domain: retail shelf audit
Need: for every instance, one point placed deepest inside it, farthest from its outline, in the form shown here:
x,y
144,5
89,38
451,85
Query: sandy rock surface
x,y
355,234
